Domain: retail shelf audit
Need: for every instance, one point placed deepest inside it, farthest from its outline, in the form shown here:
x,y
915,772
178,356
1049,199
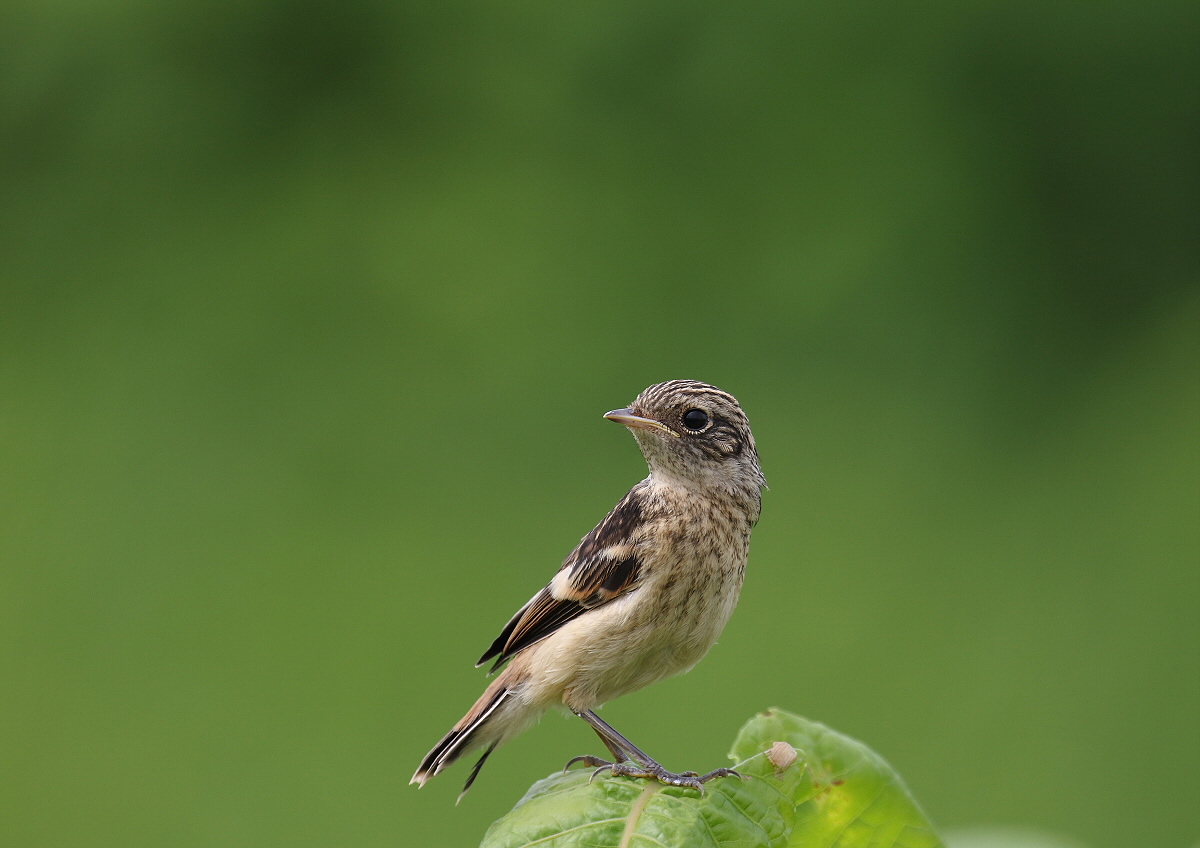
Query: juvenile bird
x,y
642,597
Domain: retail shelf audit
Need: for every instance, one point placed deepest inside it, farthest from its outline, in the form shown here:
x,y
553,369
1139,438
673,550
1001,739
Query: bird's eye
x,y
695,419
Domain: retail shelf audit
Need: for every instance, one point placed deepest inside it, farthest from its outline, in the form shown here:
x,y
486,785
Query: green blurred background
x,y
309,312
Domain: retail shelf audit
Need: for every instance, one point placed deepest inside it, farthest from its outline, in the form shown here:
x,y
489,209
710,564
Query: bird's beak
x,y
636,422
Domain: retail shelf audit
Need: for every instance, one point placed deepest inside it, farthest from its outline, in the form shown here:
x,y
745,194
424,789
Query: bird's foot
x,y
653,771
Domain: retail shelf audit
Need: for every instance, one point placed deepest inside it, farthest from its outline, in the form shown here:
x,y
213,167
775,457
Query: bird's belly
x,y
632,642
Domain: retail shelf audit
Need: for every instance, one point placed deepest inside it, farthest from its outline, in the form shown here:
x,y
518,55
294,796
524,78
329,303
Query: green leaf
x,y
837,793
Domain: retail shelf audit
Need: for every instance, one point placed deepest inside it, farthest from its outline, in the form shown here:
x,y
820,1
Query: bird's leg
x,y
632,761
588,760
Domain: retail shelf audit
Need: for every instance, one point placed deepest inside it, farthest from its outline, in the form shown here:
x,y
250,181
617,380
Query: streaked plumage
x,y
642,597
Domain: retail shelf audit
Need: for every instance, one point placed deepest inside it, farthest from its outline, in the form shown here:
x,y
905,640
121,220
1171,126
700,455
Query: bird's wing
x,y
601,568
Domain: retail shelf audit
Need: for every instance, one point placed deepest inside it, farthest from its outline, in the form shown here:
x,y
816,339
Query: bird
x,y
642,597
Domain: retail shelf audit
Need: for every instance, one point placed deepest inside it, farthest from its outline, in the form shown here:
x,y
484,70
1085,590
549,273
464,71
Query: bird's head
x,y
695,433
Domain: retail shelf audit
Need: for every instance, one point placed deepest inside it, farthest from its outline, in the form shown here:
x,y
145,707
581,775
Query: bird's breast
x,y
692,556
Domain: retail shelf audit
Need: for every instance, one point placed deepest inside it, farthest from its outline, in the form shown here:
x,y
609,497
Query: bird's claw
x,y
587,760
721,772
687,779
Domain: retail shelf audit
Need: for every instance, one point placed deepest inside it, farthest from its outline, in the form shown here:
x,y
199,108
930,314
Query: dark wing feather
x,y
539,618
601,568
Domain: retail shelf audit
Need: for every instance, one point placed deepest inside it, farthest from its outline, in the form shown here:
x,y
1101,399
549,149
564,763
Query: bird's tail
x,y
473,730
